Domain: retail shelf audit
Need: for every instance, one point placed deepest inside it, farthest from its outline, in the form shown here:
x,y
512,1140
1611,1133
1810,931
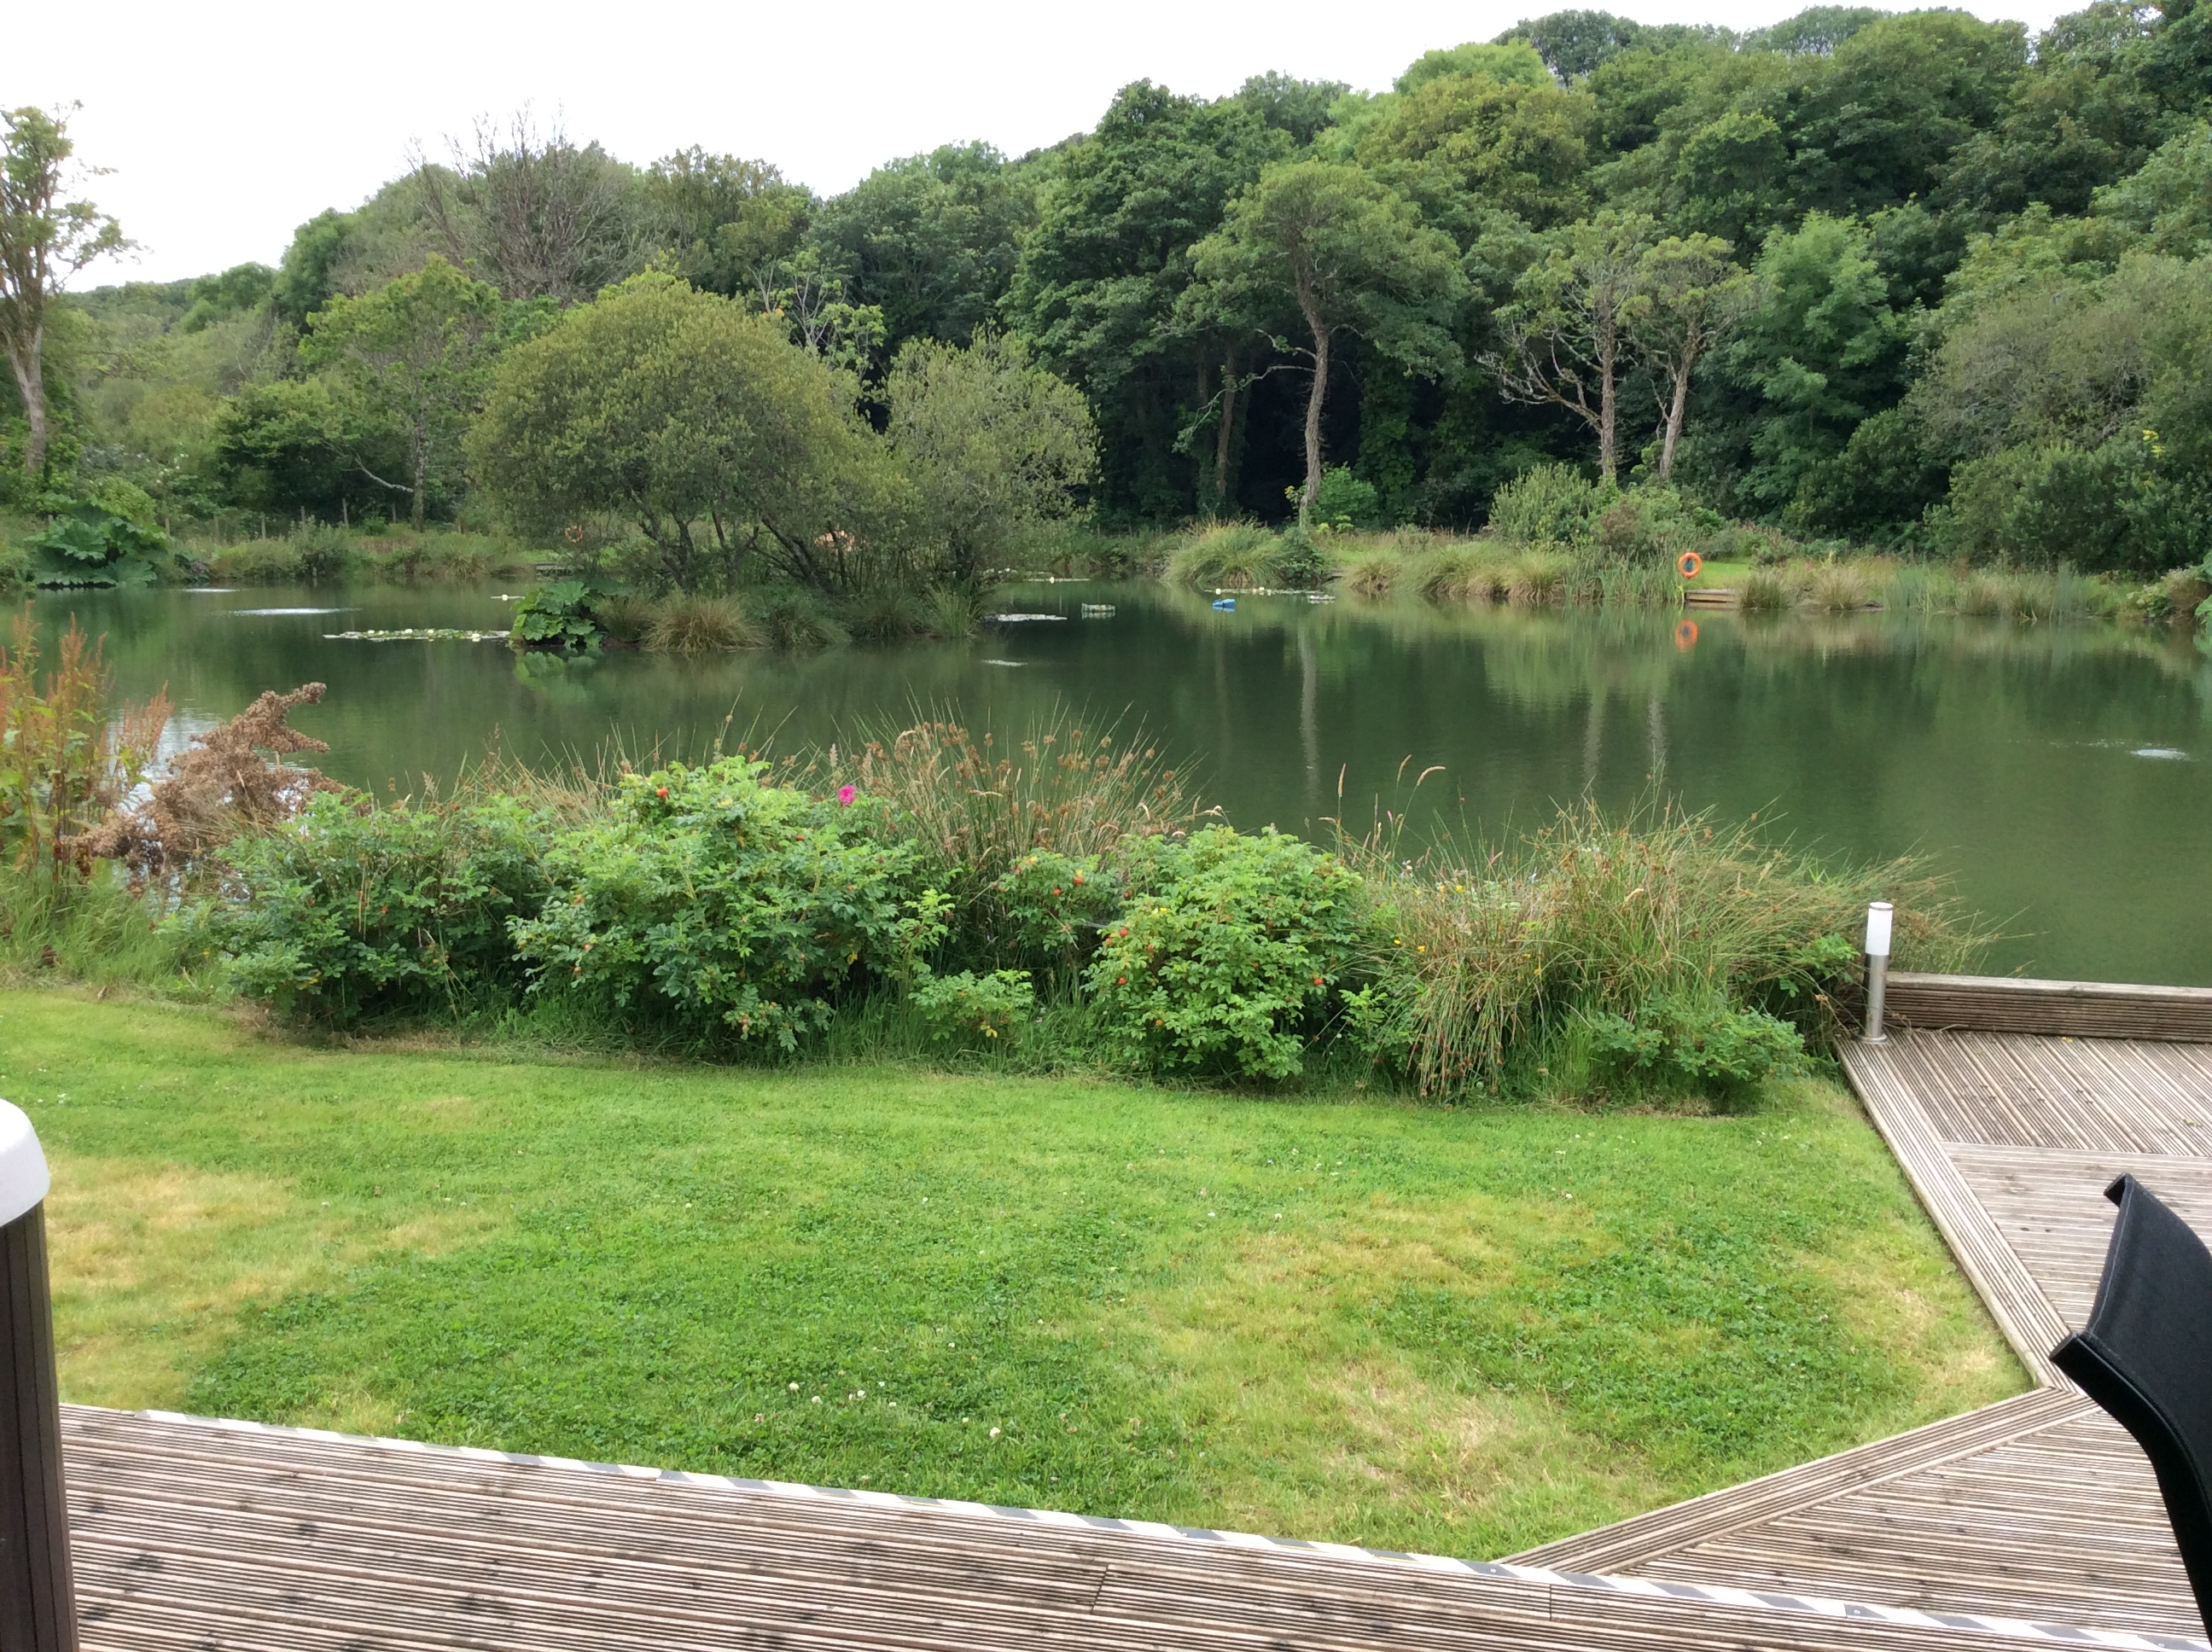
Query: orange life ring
x,y
1689,564
1686,635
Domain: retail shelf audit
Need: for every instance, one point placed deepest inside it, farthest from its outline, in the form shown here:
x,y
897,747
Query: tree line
x,y
1908,279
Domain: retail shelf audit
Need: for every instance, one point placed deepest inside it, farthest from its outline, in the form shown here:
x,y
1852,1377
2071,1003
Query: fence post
x,y
38,1604
1877,958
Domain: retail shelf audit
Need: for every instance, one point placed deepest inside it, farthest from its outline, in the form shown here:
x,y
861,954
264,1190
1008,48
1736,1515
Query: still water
x,y
2061,774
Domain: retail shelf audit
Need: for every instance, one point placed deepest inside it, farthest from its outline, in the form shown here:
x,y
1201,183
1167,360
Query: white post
x,y
38,1604
1877,957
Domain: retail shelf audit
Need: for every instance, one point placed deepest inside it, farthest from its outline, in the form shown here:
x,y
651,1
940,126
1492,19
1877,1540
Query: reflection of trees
x,y
2002,747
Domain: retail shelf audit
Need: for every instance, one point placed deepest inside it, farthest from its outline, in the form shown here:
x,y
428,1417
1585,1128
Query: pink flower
x,y
845,794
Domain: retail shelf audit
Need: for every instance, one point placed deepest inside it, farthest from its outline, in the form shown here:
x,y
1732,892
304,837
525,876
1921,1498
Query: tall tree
x,y
417,352
1563,333
931,241
1464,145
1687,296
44,240
727,219
1344,254
1096,287
1822,349
534,214
697,419
992,443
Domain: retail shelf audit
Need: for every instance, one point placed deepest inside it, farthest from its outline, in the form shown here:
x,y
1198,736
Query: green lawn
x,y
1464,1332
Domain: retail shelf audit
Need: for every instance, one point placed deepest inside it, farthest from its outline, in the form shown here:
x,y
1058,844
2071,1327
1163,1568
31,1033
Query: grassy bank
x,y
1346,1320
319,553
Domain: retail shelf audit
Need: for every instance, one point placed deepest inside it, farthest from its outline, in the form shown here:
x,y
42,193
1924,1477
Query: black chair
x,y
2146,1356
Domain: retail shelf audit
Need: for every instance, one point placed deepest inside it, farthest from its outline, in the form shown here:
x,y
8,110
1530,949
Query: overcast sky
x,y
226,126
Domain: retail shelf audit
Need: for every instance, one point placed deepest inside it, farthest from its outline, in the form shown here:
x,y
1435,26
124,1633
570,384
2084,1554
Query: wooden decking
x,y
2040,1507
2033,1520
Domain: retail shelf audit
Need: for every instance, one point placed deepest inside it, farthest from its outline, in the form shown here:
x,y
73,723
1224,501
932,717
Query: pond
x,y
2062,774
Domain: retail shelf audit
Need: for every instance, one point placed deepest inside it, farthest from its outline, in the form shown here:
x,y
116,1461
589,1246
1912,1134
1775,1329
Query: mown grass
x,y
1446,1330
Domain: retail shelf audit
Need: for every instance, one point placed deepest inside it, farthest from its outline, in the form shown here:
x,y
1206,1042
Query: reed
x,y
1509,946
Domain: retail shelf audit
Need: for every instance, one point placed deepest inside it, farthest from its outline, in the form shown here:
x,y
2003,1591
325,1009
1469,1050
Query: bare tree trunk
x,y
30,384
1313,401
1222,432
1608,356
1676,405
421,446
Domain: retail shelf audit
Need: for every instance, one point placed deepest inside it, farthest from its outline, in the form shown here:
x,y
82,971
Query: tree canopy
x,y
1784,272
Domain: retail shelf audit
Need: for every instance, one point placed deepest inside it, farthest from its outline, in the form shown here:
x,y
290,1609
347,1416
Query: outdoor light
x,y
38,1606
1877,957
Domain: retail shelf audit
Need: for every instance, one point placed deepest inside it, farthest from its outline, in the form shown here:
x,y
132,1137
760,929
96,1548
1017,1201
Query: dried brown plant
x,y
232,779
64,761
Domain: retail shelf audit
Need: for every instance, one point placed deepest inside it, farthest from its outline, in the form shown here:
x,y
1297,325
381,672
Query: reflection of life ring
x,y
1688,563
1686,635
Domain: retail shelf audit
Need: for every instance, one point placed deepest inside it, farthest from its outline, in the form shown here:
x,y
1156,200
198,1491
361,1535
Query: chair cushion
x,y
2146,1356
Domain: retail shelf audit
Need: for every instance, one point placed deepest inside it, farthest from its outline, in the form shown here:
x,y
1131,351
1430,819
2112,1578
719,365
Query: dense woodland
x,y
1909,280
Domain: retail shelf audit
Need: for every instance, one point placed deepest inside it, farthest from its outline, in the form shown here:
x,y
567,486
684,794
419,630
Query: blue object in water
x,y
1225,605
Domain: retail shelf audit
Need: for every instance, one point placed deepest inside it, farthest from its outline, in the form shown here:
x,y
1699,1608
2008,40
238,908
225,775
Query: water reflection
x,y
2057,770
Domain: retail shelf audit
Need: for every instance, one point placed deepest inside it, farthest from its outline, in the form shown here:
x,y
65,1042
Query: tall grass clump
x,y
953,611
1836,588
793,619
1764,591
1453,573
1988,596
1916,589
1537,578
1635,586
699,625
1374,575
975,805
1230,555
1651,950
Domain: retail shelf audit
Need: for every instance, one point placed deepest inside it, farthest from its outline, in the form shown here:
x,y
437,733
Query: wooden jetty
x,y
2010,1104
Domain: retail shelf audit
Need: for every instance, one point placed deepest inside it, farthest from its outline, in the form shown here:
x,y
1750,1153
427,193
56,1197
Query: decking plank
x,y
2040,1506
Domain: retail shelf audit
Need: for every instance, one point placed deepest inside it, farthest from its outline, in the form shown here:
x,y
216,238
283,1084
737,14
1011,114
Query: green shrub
x,y
352,911
966,1007
1344,503
557,614
1300,563
1648,527
1547,505
1050,909
711,900
1691,1042
1229,948
2106,508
